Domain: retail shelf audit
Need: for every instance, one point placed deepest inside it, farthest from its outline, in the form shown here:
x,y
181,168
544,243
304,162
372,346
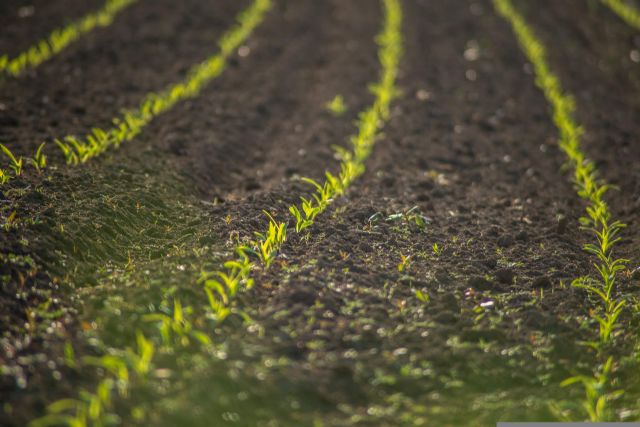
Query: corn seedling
x,y
596,396
591,189
92,408
268,243
15,164
423,297
39,160
436,249
131,123
337,106
369,123
625,11
60,38
405,262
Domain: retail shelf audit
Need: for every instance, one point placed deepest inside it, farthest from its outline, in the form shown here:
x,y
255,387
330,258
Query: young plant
x,y
4,176
405,262
301,222
436,249
267,245
596,396
15,163
39,160
337,106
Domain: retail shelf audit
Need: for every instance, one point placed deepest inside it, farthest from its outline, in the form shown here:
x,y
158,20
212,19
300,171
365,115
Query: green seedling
x,y
423,297
15,163
268,243
411,216
60,38
437,250
405,262
39,160
596,395
337,106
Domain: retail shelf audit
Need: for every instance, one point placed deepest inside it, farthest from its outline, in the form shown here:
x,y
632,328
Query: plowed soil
x,y
339,336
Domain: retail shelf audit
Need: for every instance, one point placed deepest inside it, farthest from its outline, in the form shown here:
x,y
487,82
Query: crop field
x,y
319,212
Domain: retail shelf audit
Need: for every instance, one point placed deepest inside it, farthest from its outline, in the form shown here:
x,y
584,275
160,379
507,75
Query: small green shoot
x,y
436,249
39,160
15,163
337,106
423,297
405,262
596,396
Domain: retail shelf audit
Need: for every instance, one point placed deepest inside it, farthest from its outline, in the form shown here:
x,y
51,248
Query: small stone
x,y
505,275
522,236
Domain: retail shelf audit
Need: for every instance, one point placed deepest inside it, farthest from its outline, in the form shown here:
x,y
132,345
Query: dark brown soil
x,y
343,338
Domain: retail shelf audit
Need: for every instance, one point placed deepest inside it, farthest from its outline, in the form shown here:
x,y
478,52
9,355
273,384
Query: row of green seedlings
x,y
369,123
597,221
221,287
179,328
60,38
15,167
625,11
79,150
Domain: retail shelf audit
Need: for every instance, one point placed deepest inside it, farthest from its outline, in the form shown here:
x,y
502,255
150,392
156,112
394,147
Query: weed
x,y
60,38
411,216
337,106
